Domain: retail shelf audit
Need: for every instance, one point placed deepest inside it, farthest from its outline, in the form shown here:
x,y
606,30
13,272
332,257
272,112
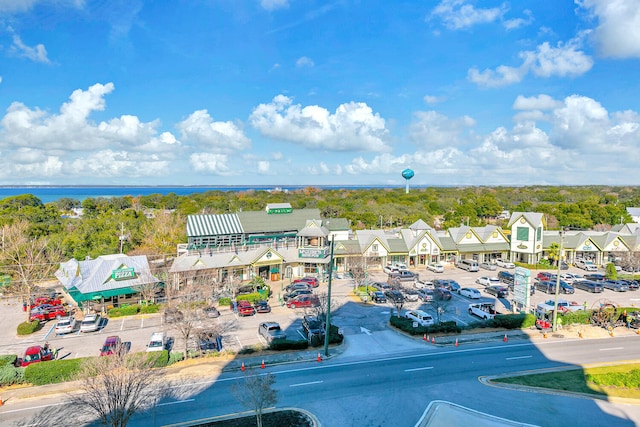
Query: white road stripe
x,y
518,357
175,402
611,348
418,369
303,384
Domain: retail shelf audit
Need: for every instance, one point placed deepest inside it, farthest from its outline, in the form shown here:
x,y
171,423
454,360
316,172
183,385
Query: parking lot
x,y
349,313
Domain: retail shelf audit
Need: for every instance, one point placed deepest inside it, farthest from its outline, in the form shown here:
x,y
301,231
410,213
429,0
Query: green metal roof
x,y
262,222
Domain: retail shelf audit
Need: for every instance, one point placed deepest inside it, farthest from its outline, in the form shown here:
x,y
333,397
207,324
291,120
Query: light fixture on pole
x,y
555,302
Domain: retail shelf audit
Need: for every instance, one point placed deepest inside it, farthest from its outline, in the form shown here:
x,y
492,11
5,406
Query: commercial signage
x,y
277,211
312,253
521,286
123,274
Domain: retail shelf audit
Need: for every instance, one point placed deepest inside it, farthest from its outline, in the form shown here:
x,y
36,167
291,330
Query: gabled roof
x,y
533,218
366,238
486,232
459,233
633,211
262,222
420,225
313,228
626,228
336,224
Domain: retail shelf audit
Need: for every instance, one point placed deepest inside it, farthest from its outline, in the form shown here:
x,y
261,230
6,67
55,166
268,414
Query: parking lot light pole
x,y
555,303
327,325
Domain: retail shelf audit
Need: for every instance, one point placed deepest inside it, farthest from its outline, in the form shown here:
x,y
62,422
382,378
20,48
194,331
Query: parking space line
x,y
122,324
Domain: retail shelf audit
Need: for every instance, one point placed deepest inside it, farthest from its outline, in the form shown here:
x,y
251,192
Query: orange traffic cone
x,y
424,338
456,342
262,366
1,401
242,367
319,358
505,338
433,340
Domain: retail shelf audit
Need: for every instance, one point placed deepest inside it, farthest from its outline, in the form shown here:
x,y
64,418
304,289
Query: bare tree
x,y
31,259
357,266
398,302
117,386
320,311
440,306
256,392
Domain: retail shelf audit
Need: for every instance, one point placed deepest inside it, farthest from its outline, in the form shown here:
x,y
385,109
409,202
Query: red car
x,y
245,308
111,345
311,281
35,354
303,301
38,301
48,312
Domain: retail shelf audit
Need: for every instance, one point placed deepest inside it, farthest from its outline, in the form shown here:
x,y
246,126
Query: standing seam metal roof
x,y
212,225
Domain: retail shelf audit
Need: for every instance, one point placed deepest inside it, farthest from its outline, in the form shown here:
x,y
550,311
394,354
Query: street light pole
x,y
327,325
555,303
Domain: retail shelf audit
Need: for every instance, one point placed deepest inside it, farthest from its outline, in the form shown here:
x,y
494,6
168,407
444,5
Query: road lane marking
x,y
175,402
303,384
418,369
612,348
518,357
34,407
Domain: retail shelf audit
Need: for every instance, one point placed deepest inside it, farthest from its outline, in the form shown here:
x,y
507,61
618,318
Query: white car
x,y
488,281
419,316
470,293
90,323
423,284
571,277
65,325
157,342
436,268
504,263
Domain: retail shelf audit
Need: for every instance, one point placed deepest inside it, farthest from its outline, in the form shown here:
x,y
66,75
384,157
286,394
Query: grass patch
x,y
614,381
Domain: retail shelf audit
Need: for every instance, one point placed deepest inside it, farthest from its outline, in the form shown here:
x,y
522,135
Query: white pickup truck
x,y
483,310
564,306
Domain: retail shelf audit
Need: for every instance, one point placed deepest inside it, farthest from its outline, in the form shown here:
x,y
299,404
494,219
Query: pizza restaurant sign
x,y
123,274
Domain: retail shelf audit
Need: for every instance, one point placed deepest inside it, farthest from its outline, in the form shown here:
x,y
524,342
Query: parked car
x,y
488,281
47,312
443,294
303,301
586,265
411,295
436,268
505,277
298,286
484,311
632,284
498,291
595,277
571,277
419,316
245,308
549,286
503,263
394,295
35,354
471,293
545,275
211,312
65,325
403,276
378,297
449,284
271,332
262,306
312,327
423,284
90,323
292,295
488,266
157,342
426,295
589,286
111,345
311,281
615,285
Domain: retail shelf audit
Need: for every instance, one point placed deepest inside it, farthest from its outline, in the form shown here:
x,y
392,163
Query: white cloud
x,y
18,6
458,14
618,32
540,102
36,54
512,24
565,60
429,99
274,4
223,137
216,164
303,61
431,130
264,167
353,126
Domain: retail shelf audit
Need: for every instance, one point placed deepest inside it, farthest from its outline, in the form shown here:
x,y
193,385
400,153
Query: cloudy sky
x,y
311,92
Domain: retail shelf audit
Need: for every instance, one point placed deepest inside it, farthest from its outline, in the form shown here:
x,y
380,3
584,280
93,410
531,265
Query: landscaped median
x,y
603,382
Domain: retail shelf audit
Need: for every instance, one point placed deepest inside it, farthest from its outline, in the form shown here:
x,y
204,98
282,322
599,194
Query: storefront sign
x,y
123,274
312,253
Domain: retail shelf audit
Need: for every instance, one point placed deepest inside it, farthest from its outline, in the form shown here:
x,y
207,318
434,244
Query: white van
x,y
419,316
157,342
469,265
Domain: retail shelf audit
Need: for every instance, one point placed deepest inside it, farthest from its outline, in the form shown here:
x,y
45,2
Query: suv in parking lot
x,y
271,332
423,318
498,291
589,286
505,277
394,295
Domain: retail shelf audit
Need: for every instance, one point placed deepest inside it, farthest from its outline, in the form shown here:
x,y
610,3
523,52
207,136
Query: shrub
x,y
406,325
175,357
577,317
288,345
8,359
224,301
150,308
252,297
52,372
10,374
26,328
512,321
335,337
129,310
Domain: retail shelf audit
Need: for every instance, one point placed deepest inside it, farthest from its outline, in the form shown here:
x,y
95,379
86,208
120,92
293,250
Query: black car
x,y
442,294
314,330
589,286
298,286
632,284
449,284
498,291
595,277
505,277
615,285
262,306
394,295
378,296
296,293
549,286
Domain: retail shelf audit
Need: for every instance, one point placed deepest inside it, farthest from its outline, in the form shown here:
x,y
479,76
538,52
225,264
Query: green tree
x,y
610,271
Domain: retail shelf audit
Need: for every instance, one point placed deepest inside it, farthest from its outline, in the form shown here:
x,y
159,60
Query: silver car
x,y
65,325
90,323
271,332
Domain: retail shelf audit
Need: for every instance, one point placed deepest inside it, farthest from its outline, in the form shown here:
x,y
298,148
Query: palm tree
x,y
554,252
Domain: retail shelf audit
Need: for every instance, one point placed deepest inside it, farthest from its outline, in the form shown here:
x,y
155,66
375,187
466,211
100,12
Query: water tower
x,y
407,174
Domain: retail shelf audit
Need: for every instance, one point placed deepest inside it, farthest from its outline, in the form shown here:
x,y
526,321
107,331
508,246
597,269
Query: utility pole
x,y
122,236
555,303
327,327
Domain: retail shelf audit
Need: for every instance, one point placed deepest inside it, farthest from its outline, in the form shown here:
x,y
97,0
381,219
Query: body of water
x,y
52,193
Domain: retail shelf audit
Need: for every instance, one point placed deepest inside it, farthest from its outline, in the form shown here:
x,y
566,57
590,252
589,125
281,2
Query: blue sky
x,y
304,92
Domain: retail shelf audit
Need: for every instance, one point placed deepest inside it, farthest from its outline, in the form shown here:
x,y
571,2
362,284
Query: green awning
x,y
94,296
